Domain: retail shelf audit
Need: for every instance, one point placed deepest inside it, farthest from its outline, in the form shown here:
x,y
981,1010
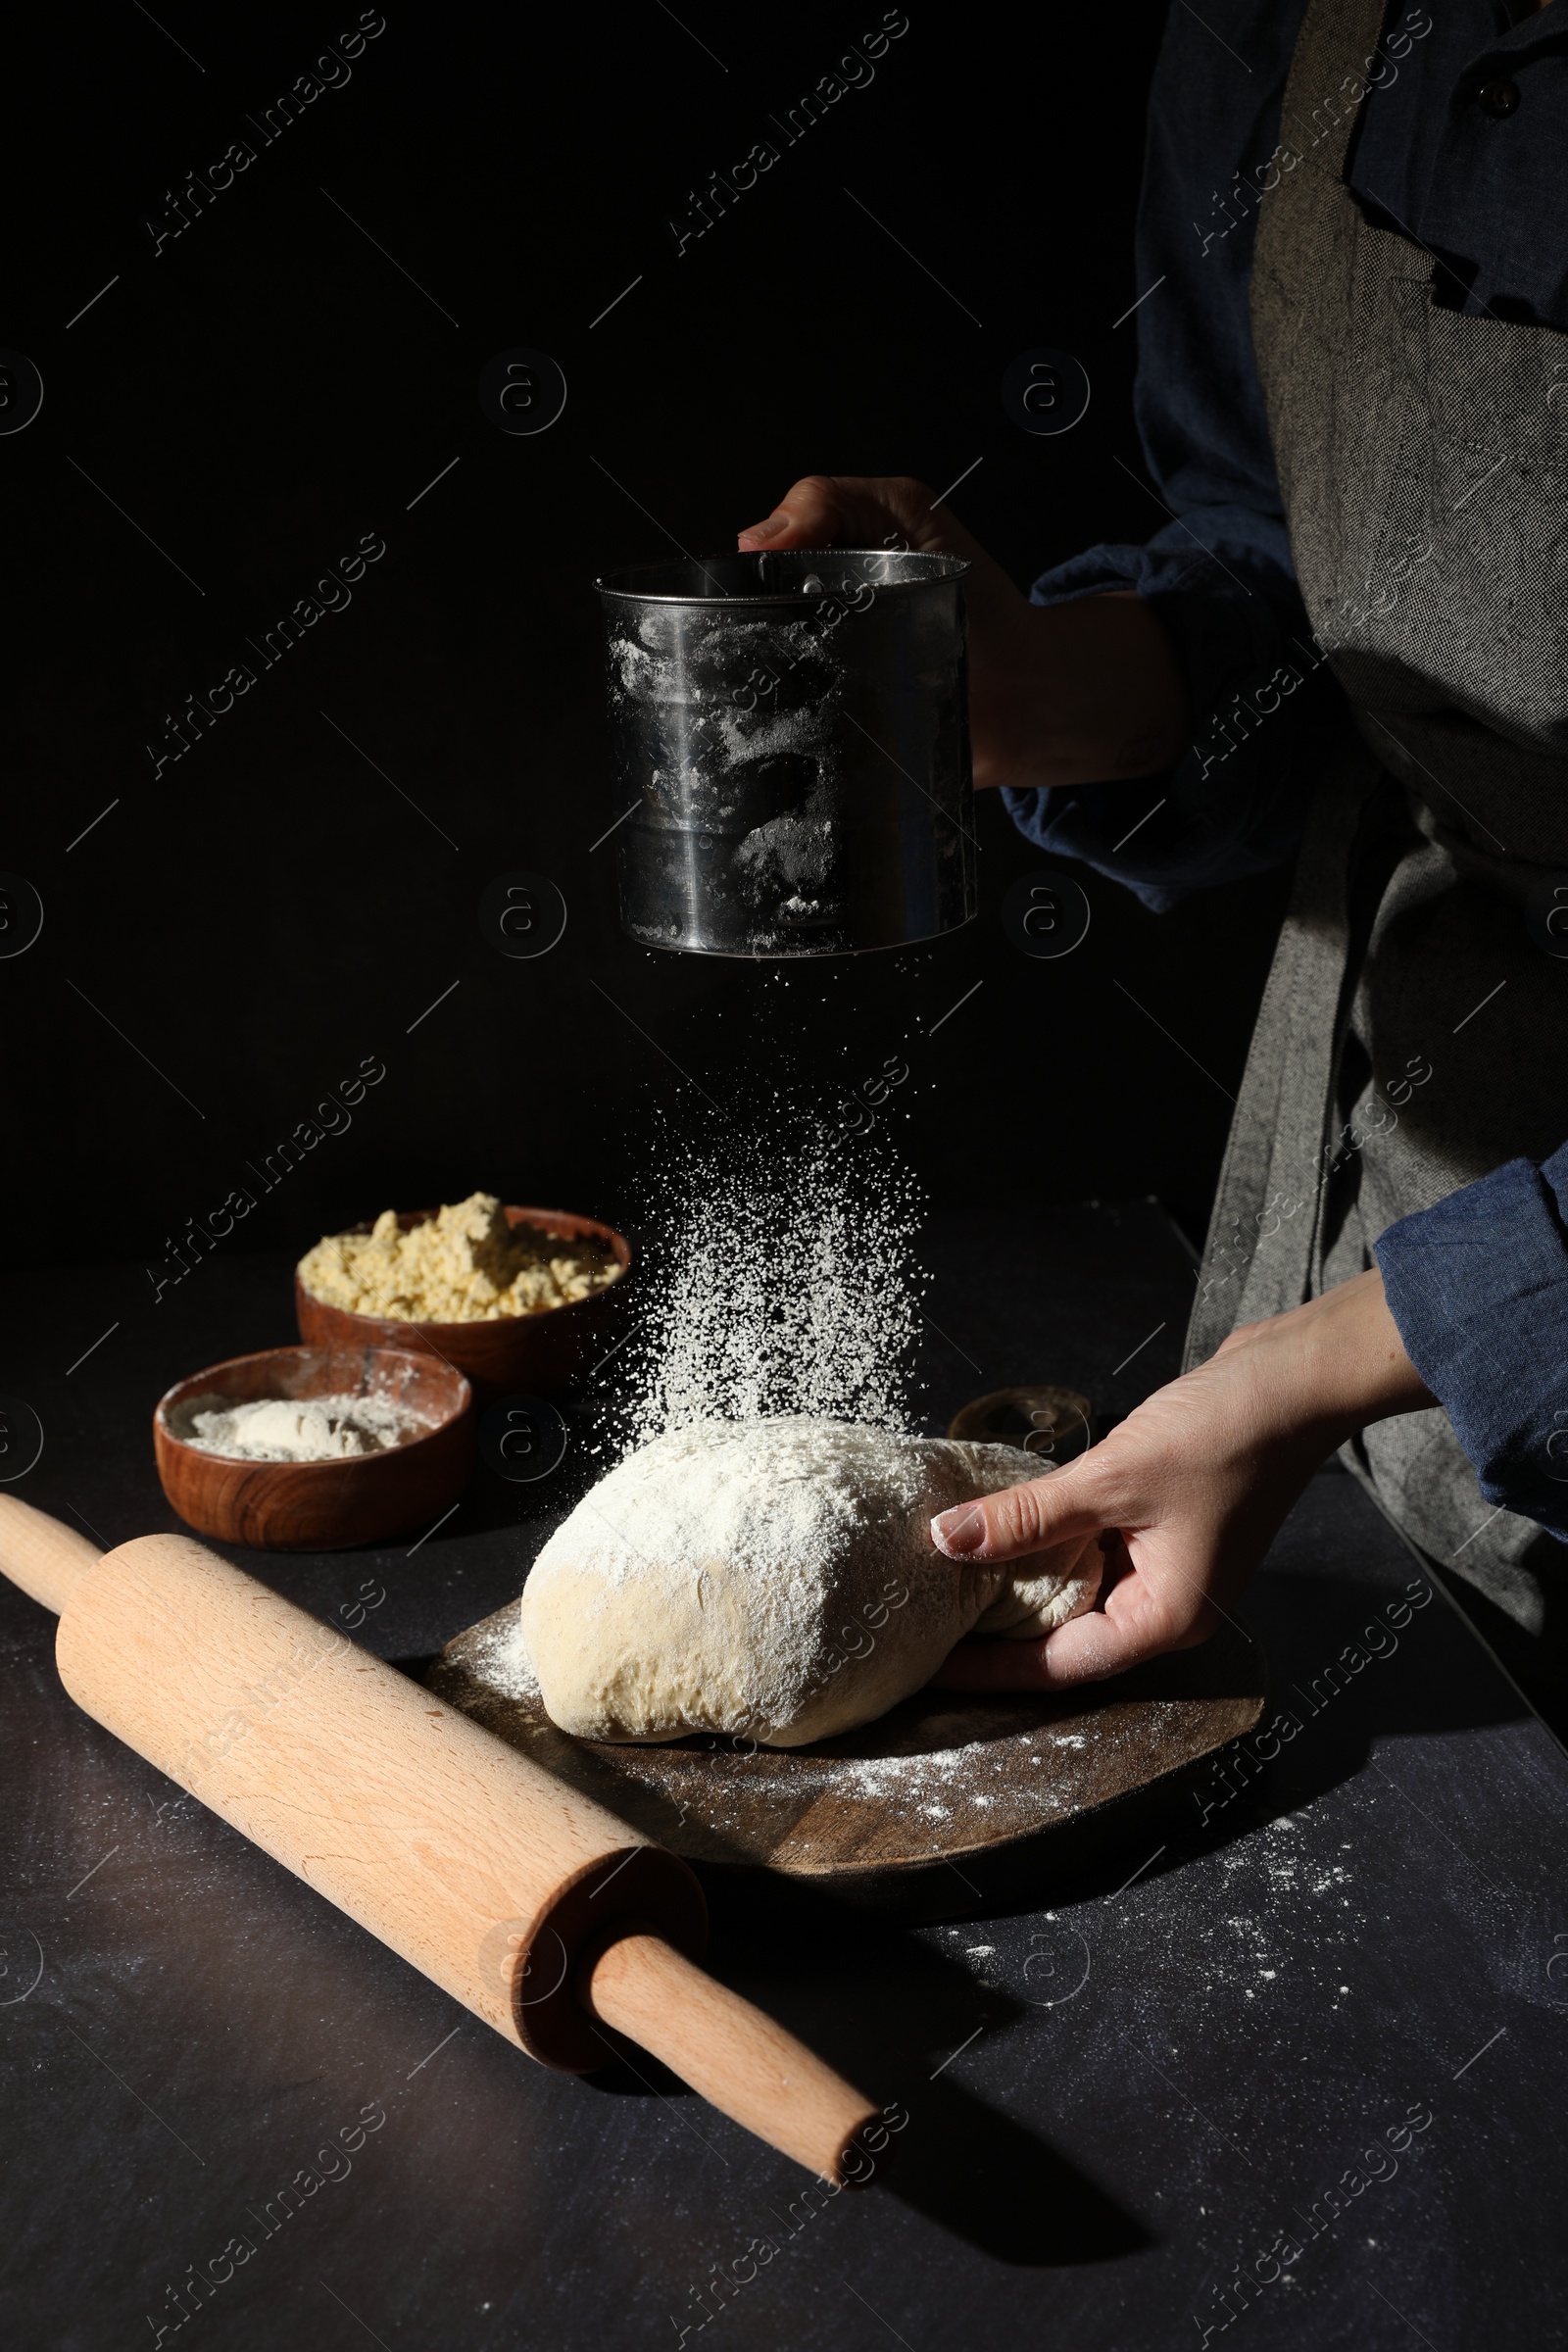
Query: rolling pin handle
x,y
47,1559
738,2058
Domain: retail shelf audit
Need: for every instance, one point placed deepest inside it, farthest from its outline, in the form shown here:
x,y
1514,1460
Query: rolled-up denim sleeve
x,y
1235,803
1478,1287
1218,571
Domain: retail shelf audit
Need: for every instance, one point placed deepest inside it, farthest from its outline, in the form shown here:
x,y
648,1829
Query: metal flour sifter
x,y
793,730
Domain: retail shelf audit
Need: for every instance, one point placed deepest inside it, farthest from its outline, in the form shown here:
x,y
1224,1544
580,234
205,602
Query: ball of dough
x,y
775,1579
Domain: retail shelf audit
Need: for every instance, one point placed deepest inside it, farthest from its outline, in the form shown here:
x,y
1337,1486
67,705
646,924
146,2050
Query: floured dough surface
x,y
775,1579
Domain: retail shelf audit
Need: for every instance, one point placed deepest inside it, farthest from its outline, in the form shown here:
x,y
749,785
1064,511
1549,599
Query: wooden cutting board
x,y
944,1775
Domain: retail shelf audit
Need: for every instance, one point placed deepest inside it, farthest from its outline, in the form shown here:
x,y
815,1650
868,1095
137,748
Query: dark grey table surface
x,y
1309,2052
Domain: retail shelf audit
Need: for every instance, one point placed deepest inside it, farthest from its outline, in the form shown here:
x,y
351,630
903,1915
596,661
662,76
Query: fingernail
x,y
959,1532
769,530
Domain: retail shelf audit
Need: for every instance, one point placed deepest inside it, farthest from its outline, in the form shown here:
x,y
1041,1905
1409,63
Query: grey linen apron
x,y
1410,1036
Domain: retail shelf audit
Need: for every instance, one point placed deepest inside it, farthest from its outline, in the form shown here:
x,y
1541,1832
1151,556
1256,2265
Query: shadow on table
x,y
1435,1678
874,2001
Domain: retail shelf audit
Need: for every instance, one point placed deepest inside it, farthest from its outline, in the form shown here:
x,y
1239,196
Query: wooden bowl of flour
x,y
538,1354
320,1505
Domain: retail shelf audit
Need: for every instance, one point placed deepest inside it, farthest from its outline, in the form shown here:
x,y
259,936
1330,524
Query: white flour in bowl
x,y
295,1429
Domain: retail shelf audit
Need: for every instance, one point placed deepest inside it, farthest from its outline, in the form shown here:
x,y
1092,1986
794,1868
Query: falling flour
x,y
759,1561
786,1282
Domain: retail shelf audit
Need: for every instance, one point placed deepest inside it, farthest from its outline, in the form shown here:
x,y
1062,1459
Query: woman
x,y
1354,636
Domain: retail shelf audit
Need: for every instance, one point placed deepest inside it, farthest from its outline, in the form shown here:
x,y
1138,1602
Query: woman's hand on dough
x,y
1195,1483
1079,693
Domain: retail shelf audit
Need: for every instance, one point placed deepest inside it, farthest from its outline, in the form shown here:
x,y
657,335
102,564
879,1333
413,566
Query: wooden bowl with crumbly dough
x,y
320,1507
538,1354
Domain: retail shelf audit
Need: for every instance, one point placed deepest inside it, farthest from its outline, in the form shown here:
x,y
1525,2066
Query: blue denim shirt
x,y
1478,1286
1483,192
1479,1289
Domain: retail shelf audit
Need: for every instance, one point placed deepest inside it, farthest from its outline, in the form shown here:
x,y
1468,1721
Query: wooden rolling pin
x,y
533,1906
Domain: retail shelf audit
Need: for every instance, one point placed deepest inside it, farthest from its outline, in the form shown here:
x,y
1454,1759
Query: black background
x,y
234,935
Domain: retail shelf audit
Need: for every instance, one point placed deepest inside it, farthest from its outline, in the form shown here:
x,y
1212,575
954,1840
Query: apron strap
x,y
1265,1236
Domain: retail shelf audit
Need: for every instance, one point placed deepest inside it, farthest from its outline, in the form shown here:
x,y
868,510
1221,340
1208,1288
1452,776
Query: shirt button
x,y
1497,98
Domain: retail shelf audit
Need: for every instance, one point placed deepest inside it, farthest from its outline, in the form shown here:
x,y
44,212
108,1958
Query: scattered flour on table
x,y
1285,1865
1276,1910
